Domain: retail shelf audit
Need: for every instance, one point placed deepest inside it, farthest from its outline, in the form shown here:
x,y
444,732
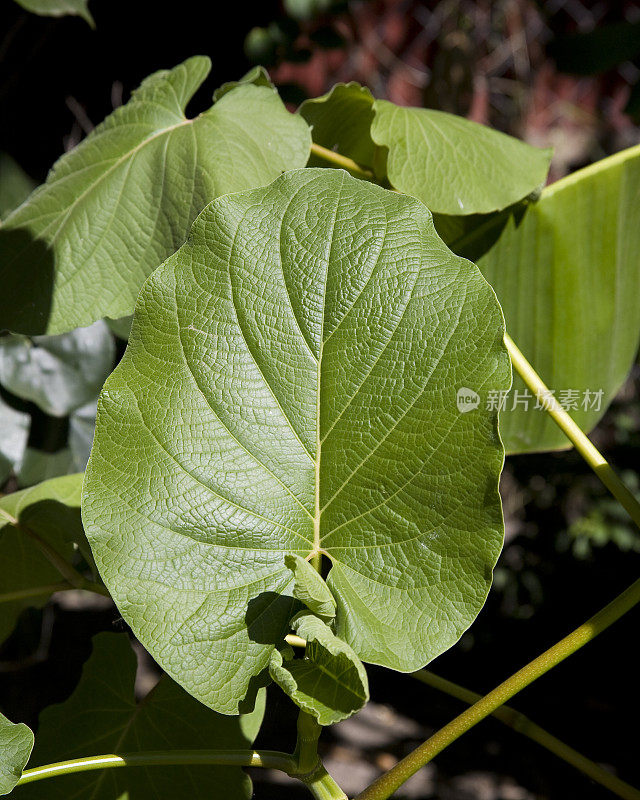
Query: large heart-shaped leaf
x,y
103,716
123,200
566,270
16,743
289,388
58,373
50,510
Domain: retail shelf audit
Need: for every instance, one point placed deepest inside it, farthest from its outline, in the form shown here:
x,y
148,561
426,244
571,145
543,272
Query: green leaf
x,y
310,589
102,716
329,682
58,373
341,120
27,578
15,185
80,248
16,743
290,384
257,76
59,8
567,273
453,165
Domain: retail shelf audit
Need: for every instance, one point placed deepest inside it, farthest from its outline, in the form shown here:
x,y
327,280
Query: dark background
x,y
542,71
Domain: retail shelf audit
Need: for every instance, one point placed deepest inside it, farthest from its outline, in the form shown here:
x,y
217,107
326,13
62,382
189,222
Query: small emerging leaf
x,y
310,589
330,682
257,76
16,743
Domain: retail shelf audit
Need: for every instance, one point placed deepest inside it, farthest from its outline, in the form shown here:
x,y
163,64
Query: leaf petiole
x,y
241,758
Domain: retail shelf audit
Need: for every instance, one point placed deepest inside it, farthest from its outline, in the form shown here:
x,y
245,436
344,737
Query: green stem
x,y
387,784
522,724
306,753
162,758
322,786
578,439
343,162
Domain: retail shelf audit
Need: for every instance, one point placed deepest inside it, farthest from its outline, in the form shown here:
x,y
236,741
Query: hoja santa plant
x,y
295,466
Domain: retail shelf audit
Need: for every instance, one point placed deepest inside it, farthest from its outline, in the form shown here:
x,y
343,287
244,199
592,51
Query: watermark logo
x,y
467,400
512,399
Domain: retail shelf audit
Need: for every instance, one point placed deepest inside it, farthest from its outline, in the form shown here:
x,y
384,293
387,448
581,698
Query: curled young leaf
x,y
310,589
329,682
290,387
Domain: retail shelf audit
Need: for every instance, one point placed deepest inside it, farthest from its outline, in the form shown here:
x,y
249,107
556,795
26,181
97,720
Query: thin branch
x,y
522,724
580,441
339,160
388,783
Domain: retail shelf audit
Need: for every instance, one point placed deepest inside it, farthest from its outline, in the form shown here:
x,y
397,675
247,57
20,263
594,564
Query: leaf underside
x,y
118,204
290,384
455,166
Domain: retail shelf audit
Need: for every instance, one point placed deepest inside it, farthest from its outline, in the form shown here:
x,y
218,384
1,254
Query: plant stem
x,y
342,161
522,724
580,441
162,758
387,784
323,787
306,753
